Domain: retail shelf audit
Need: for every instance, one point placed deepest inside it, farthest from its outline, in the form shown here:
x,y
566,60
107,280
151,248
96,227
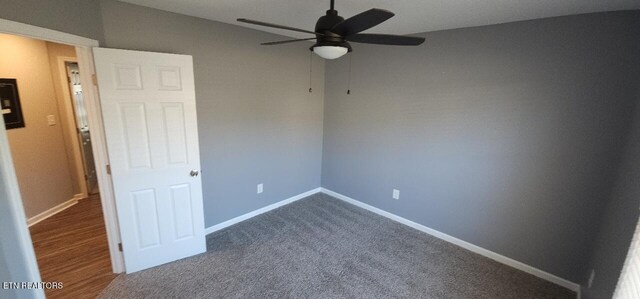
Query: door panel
x,y
183,219
174,127
136,135
149,111
147,225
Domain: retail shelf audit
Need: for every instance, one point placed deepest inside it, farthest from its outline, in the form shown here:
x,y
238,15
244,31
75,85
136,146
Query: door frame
x,y
84,55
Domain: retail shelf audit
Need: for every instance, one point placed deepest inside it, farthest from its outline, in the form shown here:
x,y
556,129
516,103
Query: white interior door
x,y
149,112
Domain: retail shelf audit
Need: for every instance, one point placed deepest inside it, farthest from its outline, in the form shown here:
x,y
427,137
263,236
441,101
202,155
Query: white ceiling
x,y
412,16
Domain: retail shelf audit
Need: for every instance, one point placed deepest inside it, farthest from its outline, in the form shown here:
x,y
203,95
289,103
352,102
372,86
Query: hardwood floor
x,y
71,247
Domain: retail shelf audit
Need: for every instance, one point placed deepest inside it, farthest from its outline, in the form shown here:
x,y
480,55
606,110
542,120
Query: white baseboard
x,y
466,245
55,210
257,212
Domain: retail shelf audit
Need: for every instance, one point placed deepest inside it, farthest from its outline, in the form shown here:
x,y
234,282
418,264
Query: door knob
x,y
194,173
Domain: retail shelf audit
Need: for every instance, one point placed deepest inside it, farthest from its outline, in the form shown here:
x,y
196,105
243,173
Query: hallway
x,y
71,247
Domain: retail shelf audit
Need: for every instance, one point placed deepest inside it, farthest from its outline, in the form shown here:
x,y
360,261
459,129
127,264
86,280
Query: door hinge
x,y
120,247
94,78
109,169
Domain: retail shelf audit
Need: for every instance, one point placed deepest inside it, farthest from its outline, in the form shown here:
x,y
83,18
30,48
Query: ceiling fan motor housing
x,y
328,38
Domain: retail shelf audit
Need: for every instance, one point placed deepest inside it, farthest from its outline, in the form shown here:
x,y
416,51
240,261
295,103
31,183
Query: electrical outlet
x,y
396,194
592,276
260,188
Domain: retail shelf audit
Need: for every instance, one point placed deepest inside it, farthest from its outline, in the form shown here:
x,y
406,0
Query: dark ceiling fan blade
x,y
361,22
286,41
386,39
276,26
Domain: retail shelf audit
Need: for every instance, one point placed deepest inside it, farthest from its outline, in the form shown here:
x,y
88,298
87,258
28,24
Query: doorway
x,y
49,135
174,81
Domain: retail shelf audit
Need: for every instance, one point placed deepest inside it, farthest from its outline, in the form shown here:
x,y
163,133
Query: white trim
x,y
257,212
627,285
15,239
36,32
464,244
55,210
100,155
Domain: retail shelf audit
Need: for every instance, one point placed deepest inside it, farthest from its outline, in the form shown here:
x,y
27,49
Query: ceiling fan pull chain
x,y
310,69
349,80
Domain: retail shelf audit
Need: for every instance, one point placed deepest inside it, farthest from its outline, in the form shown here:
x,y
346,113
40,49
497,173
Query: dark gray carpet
x,y
321,247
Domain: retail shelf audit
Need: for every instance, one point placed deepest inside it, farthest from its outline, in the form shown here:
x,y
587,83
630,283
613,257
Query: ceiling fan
x,y
333,33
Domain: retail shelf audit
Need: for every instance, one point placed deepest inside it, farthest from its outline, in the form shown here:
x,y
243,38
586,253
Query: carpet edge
x,y
259,211
461,243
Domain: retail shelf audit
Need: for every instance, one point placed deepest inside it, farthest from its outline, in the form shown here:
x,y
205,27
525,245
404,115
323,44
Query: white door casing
x,y
149,111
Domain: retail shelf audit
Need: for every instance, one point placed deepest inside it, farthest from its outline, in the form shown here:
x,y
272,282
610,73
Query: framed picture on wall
x,y
10,100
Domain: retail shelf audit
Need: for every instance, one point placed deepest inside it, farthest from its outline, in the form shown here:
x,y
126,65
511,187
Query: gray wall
x,y
256,119
505,136
79,17
621,217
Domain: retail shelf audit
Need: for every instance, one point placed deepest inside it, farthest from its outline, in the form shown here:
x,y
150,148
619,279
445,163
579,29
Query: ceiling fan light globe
x,y
330,52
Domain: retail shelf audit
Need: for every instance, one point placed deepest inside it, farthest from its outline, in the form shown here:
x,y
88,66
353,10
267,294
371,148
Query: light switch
x,y
51,120
396,194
